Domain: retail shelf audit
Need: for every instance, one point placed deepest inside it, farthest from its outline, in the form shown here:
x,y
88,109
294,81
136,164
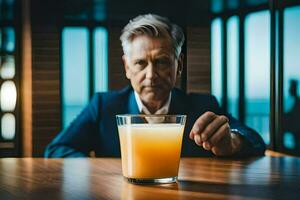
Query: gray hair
x,y
153,26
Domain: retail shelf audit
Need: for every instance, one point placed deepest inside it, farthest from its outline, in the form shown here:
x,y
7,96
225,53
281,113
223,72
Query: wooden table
x,y
101,178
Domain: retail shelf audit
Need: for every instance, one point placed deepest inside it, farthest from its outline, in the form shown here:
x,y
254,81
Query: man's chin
x,y
152,97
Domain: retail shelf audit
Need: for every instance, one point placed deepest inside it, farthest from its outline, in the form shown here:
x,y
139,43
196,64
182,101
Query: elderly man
x,y
152,60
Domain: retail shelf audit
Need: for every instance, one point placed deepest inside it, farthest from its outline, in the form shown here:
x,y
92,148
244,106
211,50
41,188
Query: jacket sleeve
x,y
79,138
253,144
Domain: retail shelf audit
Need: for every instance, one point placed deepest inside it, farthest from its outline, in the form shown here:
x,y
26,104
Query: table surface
x,y
101,178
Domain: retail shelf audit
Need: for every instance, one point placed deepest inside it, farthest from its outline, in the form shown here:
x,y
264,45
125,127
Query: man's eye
x,y
140,63
163,62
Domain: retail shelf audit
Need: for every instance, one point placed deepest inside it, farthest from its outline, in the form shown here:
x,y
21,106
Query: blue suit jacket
x,y
95,129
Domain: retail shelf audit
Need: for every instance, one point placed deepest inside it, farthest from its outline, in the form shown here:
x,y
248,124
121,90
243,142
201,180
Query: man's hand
x,y
213,133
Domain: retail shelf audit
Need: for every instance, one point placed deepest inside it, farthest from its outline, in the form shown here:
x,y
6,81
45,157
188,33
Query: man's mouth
x,y
152,88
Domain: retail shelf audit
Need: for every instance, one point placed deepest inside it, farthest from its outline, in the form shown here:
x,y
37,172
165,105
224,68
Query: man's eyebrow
x,y
163,56
138,58
168,57
163,53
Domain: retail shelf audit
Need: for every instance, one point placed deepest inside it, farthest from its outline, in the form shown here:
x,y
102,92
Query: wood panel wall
x,y
46,113
26,83
198,59
116,71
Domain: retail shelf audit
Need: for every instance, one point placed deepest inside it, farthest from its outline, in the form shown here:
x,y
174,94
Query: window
x,y
291,79
233,66
76,69
217,6
216,59
7,9
75,72
257,72
101,60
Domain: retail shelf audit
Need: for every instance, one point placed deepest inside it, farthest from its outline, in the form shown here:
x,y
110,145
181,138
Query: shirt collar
x,y
163,110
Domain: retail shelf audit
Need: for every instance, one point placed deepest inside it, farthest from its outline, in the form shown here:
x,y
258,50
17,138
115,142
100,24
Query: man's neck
x,y
154,106
159,107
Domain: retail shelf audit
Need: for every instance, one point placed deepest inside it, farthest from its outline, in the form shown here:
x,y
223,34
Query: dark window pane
x,y
233,4
0,39
99,10
7,9
217,6
8,39
76,10
256,2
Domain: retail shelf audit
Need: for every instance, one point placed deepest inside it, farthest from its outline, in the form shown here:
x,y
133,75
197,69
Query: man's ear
x,y
180,64
126,66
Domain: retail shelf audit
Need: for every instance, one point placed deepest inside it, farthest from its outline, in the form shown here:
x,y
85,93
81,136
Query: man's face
x,y
152,68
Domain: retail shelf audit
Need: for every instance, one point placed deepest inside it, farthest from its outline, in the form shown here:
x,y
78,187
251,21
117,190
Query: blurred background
x,y
55,54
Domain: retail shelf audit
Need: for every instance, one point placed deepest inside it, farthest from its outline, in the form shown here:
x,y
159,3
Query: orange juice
x,y
150,150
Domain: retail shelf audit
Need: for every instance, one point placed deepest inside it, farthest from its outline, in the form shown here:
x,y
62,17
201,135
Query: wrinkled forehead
x,y
155,45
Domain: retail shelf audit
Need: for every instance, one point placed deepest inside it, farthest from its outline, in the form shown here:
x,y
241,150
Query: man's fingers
x,y
192,135
207,146
201,123
219,135
213,127
198,140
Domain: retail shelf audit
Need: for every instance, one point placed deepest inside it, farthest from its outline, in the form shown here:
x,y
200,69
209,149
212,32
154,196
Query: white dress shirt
x,y
142,108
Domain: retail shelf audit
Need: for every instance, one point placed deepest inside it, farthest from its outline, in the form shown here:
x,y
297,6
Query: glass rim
x,y
151,115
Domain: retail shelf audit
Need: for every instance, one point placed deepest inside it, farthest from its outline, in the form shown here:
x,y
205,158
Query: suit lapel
x,y
132,105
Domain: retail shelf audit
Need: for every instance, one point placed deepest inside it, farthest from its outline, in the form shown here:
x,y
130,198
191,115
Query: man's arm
x,y
79,138
225,136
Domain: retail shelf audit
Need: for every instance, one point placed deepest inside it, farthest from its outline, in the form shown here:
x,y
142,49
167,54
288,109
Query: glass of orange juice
x,y
150,147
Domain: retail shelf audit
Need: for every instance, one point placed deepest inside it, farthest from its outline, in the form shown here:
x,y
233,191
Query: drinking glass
x,y
150,147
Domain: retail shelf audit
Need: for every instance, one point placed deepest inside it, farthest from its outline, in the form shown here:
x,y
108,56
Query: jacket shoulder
x,y
112,96
204,100
111,99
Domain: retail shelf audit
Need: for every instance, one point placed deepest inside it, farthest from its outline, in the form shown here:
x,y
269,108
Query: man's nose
x,y
151,71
